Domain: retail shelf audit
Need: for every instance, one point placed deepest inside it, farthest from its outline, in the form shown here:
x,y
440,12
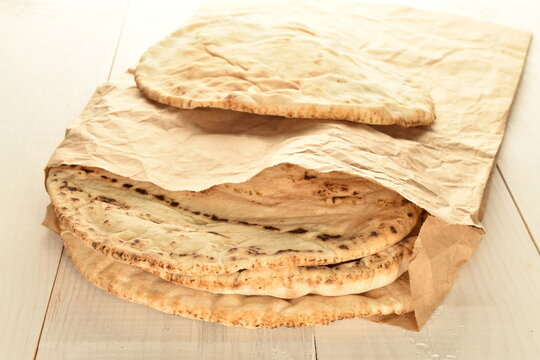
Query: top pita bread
x,y
285,216
266,66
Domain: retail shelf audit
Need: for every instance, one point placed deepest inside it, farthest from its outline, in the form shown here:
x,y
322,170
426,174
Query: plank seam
x,y
518,210
48,303
128,3
314,343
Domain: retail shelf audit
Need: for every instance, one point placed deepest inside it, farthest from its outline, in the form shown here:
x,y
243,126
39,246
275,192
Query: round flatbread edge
x,y
135,285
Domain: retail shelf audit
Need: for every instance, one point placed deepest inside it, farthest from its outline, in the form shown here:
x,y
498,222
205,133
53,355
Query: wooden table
x,y
52,56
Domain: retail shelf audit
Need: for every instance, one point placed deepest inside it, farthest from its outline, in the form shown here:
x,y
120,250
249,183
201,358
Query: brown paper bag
x,y
471,69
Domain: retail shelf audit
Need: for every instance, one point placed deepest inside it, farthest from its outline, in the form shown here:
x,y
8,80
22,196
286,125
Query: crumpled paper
x,y
470,68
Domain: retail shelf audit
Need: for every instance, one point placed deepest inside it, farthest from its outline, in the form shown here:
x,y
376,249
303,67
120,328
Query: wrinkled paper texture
x,y
470,68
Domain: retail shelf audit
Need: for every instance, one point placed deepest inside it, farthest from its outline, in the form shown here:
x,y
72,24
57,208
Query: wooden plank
x,y
492,312
53,55
86,323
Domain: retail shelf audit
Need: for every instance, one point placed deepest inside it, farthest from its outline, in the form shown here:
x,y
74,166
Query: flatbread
x,y
271,67
353,277
299,218
133,284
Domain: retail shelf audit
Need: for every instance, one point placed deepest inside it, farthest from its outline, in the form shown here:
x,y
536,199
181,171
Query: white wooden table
x,y
52,56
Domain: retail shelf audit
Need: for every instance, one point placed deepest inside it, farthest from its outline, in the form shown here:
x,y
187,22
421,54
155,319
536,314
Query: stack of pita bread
x,y
289,247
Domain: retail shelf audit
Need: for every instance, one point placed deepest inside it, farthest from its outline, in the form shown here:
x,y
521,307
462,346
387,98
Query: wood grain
x,y
492,312
53,54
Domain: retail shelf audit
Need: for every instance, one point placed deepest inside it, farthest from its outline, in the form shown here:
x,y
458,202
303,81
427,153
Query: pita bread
x,y
133,284
271,67
353,277
299,218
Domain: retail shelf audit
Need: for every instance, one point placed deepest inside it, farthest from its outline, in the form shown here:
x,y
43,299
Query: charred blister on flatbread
x,y
216,218
298,231
106,199
325,237
216,233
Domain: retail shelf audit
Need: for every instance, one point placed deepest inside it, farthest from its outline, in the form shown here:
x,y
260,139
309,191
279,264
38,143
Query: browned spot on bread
x,y
127,186
74,199
298,231
159,197
141,191
288,250
215,218
244,223
233,249
88,171
344,247
216,233
393,229
104,177
174,203
254,250
70,188
72,165
308,177
327,237
196,212
410,214
374,233
268,227
106,199
114,180
334,198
